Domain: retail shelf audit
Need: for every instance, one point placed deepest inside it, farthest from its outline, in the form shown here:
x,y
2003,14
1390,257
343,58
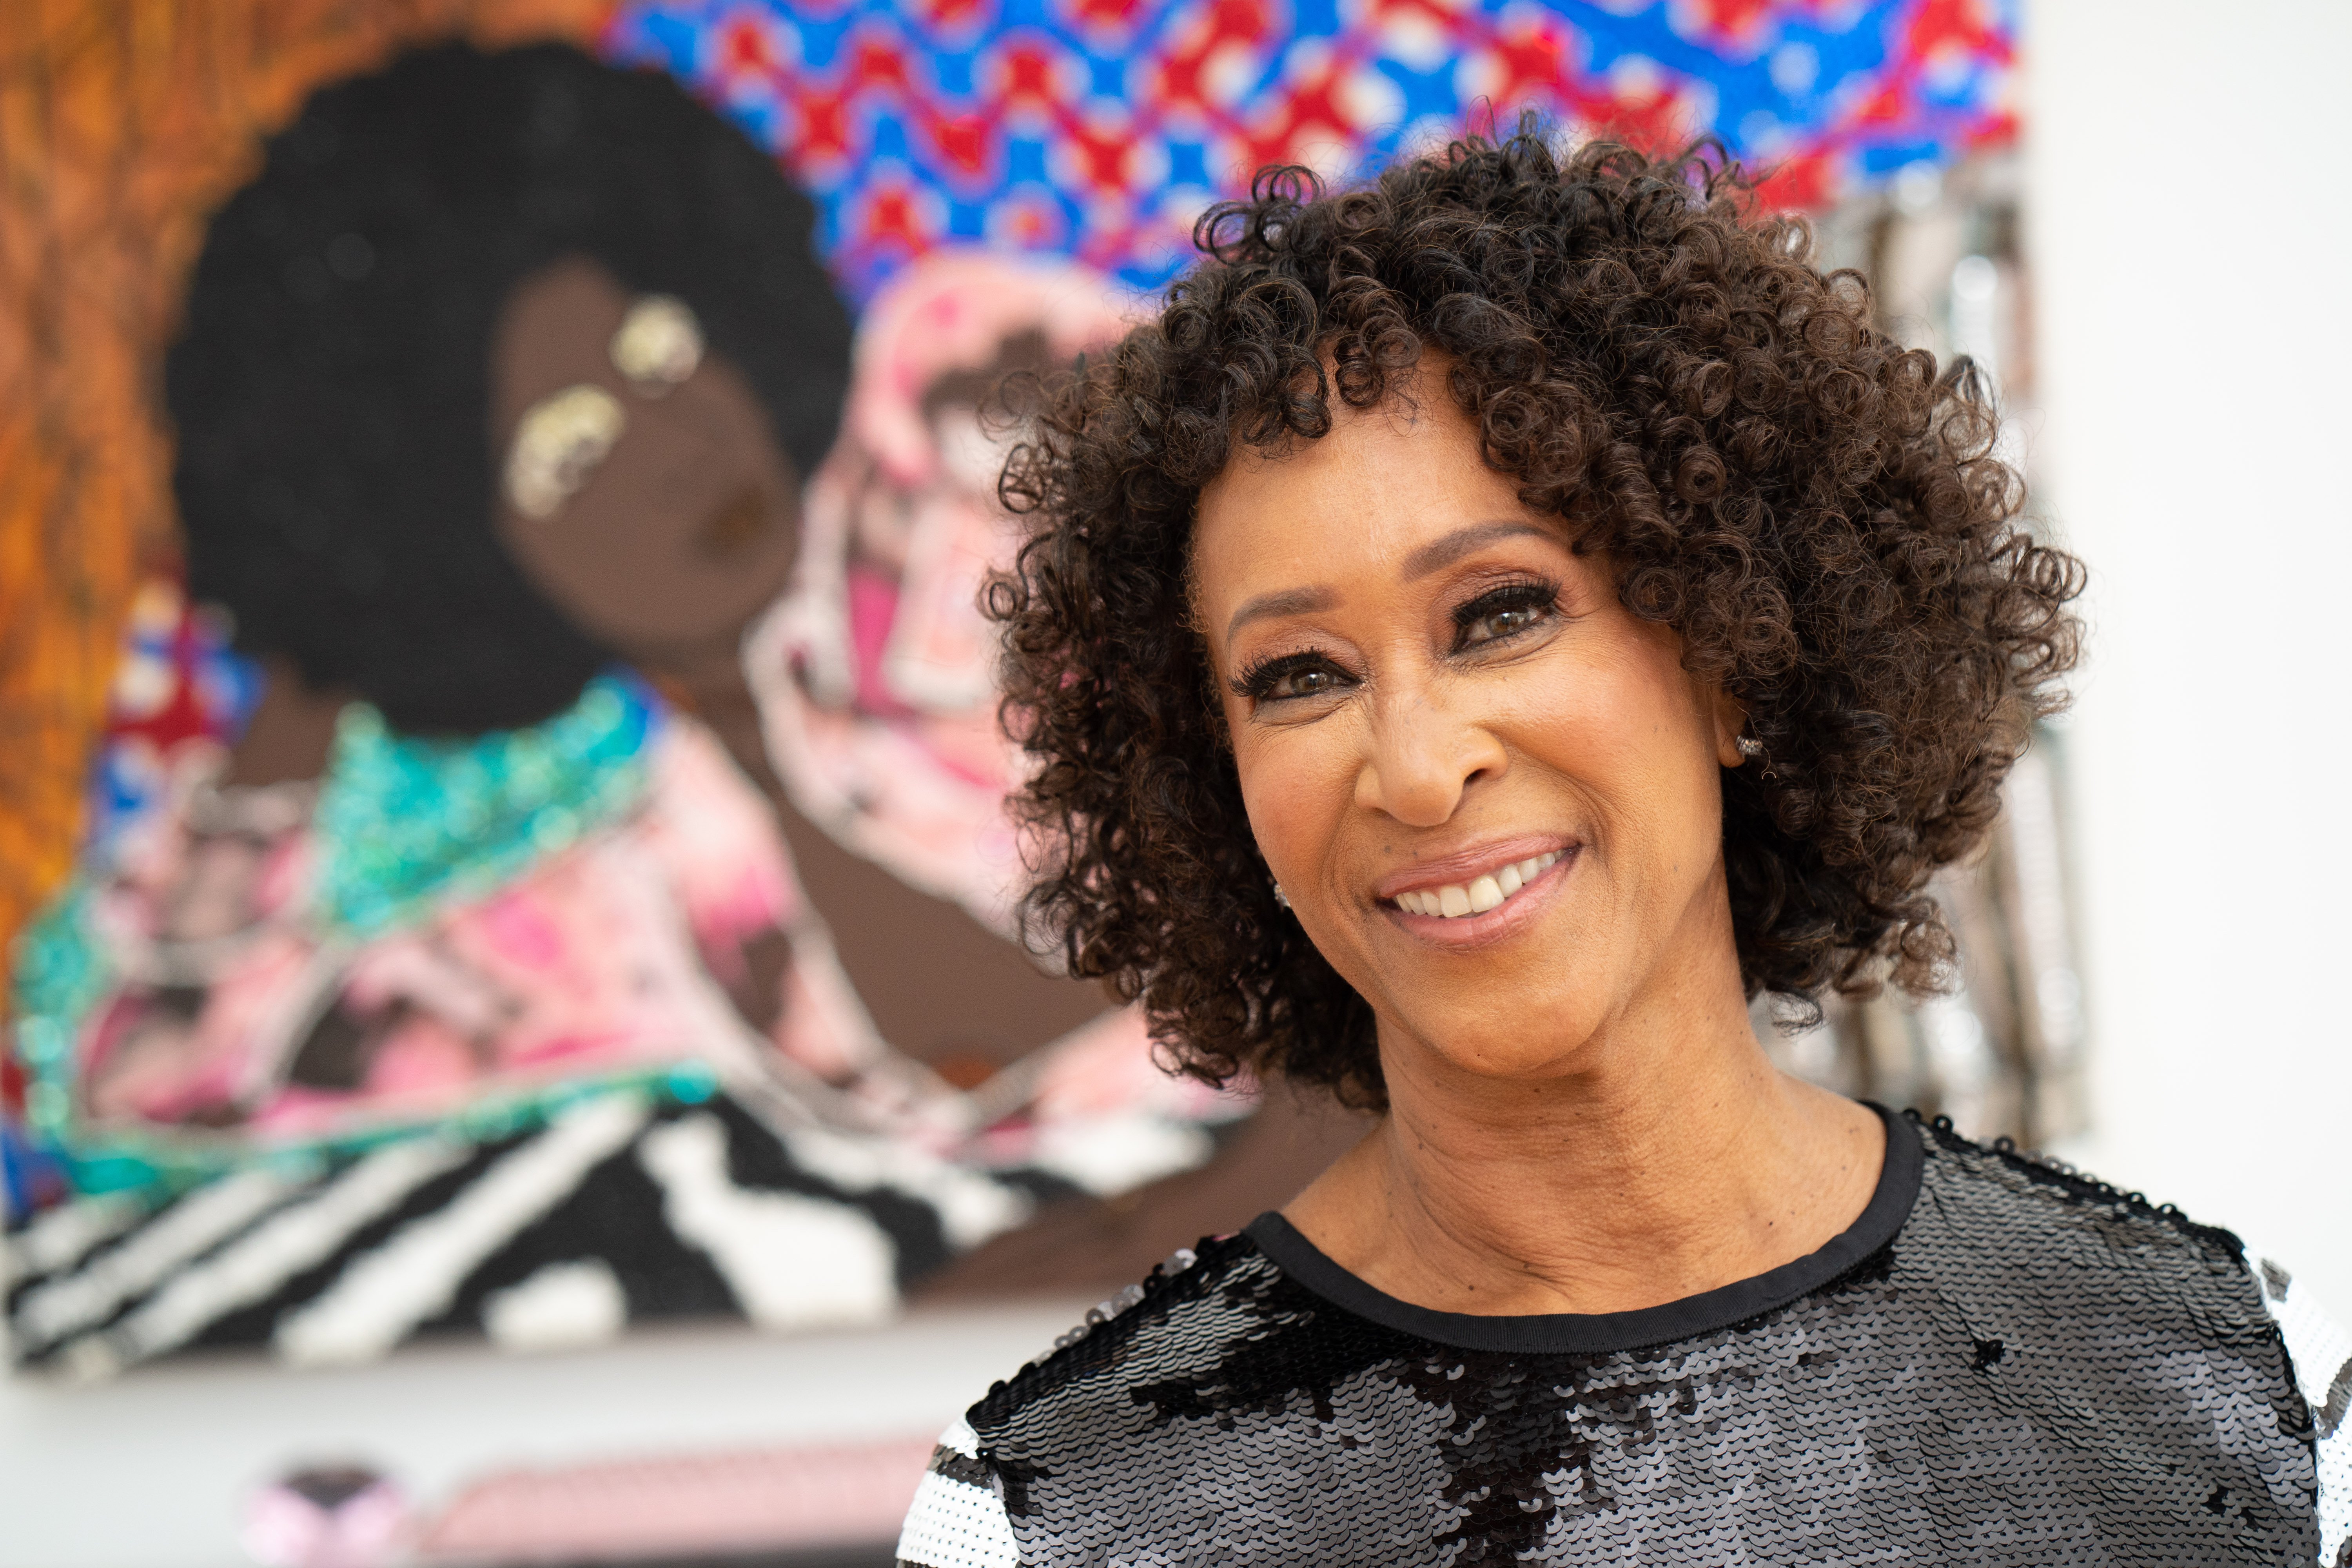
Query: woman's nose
x,y
1424,758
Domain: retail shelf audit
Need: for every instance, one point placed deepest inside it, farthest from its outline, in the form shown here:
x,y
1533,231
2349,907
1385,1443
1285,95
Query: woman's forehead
x,y
1400,488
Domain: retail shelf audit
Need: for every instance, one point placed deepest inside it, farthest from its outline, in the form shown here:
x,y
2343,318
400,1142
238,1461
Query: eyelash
x,y
1259,680
1539,595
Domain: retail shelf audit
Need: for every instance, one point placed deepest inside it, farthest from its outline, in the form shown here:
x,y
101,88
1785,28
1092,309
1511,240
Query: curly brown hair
x,y
1813,507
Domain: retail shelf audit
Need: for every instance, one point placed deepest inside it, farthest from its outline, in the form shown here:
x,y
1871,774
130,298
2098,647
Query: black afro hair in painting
x,y
330,383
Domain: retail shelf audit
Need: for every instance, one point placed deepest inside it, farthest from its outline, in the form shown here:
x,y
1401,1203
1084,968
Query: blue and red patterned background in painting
x,y
1099,129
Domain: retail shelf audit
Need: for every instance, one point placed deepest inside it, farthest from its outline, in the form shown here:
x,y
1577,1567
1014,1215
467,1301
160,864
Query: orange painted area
x,y
123,123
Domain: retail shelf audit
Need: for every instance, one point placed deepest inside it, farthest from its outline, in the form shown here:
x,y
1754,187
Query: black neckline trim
x,y
1598,1334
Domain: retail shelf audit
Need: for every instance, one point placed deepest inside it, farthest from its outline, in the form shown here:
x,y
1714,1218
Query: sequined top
x,y
2000,1362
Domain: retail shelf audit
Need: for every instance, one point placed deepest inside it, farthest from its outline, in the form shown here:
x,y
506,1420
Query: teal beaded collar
x,y
405,822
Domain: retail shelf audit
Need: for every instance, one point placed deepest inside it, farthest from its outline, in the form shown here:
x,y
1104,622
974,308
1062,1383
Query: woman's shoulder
x,y
2087,1274
1181,1325
2319,1351
1214,1329
1998,1214
2004,1228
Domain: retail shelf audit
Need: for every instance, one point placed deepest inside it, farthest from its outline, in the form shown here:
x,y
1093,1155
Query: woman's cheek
x,y
1287,784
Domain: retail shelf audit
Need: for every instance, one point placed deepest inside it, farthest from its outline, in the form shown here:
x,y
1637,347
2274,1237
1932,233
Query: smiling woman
x,y
1494,626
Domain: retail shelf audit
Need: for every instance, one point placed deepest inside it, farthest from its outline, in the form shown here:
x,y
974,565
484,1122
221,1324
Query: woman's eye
x,y
1303,683
1504,612
1285,679
1500,623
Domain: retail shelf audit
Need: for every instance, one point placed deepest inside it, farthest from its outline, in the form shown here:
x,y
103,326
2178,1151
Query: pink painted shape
x,y
758,1500
873,607
520,932
421,1056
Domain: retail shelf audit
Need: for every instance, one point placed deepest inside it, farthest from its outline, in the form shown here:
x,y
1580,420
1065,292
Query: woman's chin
x,y
1481,1042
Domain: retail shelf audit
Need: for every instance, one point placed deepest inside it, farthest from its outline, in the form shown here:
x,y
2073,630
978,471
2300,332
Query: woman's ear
x,y
1730,724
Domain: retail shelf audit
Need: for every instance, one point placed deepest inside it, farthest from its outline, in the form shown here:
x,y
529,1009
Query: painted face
x,y
655,508
1489,791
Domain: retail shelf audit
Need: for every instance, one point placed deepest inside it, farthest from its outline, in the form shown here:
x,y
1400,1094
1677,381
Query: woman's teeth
x,y
1475,898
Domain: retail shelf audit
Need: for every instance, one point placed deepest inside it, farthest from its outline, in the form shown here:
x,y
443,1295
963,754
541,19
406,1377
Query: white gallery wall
x,y
2193,247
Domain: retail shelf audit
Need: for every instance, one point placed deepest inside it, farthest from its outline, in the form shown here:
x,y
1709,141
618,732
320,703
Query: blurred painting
x,y
479,935
546,864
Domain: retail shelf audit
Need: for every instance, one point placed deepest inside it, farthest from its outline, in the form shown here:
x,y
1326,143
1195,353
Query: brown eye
x,y
1501,624
1292,677
1303,683
1504,612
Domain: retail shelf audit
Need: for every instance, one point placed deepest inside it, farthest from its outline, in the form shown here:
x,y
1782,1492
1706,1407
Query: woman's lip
x,y
1467,866
1496,924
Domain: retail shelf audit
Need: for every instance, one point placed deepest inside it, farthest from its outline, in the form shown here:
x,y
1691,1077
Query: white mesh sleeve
x,y
958,1519
2322,1354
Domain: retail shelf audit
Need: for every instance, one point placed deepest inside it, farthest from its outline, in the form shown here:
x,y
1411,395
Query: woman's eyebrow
x,y
1283,601
1439,553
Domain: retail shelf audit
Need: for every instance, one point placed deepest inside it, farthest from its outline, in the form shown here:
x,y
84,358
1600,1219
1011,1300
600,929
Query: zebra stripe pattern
x,y
618,1210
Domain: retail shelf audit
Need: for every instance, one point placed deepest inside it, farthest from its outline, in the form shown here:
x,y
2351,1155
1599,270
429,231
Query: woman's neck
x,y
1671,1158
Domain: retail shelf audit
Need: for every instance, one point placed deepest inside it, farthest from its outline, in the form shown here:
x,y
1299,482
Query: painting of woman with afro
x,y
490,973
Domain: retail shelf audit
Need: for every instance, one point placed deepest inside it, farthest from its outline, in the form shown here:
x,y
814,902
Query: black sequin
x,y
2021,1366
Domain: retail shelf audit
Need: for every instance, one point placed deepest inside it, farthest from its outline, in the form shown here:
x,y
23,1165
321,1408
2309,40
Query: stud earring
x,y
1750,748
1280,897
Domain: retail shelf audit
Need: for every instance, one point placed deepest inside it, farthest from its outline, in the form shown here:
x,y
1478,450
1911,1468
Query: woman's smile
x,y
1478,896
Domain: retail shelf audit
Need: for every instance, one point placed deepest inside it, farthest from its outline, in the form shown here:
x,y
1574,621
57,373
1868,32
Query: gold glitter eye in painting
x,y
658,345
558,444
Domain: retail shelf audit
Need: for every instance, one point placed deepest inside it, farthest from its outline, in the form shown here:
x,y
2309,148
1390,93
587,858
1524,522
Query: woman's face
x,y
686,528
1489,791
